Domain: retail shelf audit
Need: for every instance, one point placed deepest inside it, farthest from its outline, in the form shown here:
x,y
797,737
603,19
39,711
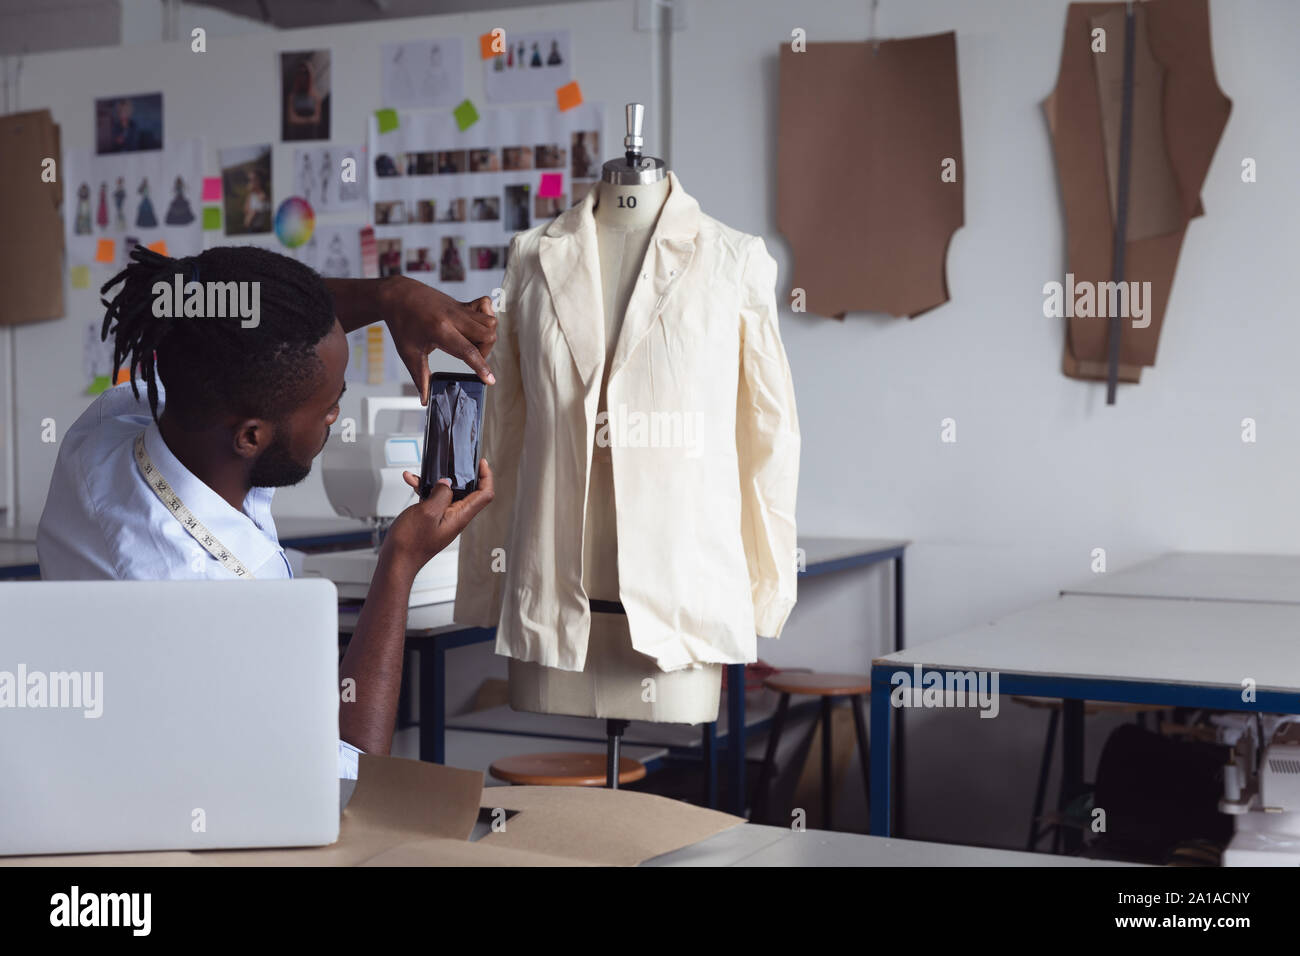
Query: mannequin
x,y
614,683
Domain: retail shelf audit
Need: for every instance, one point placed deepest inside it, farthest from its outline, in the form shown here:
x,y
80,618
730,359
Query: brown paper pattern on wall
x,y
1179,114
864,131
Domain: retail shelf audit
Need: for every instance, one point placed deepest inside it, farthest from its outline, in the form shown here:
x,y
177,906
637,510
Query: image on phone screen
x,y
453,427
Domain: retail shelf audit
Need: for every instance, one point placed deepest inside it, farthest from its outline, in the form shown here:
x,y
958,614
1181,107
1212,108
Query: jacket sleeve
x,y
480,574
767,445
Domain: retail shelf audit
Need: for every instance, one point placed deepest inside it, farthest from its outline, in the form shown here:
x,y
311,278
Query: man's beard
x,y
275,467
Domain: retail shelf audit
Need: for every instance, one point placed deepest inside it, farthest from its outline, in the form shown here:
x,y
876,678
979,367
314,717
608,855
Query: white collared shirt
x,y
102,522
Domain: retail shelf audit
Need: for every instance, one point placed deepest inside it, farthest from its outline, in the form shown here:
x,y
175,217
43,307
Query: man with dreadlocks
x,y
180,485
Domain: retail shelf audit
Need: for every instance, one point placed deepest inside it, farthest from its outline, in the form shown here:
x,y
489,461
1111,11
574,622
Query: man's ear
x,y
252,437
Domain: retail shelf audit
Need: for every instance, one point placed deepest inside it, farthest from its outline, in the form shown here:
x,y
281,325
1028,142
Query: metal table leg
x,y
710,750
433,702
1072,767
736,735
881,714
827,776
899,770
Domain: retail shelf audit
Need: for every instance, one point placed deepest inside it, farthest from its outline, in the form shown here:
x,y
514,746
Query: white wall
x,y
1043,471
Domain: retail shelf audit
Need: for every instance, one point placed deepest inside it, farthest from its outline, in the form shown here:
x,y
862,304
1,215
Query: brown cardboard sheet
x,y
31,245
1192,116
864,130
614,827
410,813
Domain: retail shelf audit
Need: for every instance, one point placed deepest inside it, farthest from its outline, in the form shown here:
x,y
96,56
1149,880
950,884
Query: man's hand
x,y
425,528
422,319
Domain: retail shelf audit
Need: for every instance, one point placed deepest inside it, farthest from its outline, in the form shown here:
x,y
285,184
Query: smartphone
x,y
453,428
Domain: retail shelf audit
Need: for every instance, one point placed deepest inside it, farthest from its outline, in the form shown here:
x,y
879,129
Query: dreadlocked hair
x,y
210,366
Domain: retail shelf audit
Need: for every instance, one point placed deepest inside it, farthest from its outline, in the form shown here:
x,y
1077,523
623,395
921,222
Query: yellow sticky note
x,y
80,276
568,96
105,251
159,247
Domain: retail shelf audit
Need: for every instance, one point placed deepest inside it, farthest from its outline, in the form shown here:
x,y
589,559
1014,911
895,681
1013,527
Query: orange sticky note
x,y
485,45
105,251
568,96
159,247
123,375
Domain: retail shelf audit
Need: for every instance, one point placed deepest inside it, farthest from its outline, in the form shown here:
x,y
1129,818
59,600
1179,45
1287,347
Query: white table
x,y
1203,576
754,845
1086,647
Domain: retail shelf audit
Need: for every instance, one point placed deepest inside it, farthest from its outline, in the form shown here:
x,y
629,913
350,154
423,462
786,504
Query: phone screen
x,y
452,433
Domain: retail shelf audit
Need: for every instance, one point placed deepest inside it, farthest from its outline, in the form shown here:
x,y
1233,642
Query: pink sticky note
x,y
211,188
552,186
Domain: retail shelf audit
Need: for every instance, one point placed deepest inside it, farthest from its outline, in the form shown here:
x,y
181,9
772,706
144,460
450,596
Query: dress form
x,y
615,680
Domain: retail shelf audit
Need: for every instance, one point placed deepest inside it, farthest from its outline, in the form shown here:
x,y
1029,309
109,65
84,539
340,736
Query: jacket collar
x,y
570,259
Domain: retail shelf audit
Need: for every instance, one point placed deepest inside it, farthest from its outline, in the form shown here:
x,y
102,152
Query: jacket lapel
x,y
570,261
672,246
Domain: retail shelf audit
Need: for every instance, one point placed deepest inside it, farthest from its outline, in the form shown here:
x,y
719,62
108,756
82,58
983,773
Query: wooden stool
x,y
563,770
1055,705
826,686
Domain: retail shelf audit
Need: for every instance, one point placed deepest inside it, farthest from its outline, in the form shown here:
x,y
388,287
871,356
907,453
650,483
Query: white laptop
x,y
165,715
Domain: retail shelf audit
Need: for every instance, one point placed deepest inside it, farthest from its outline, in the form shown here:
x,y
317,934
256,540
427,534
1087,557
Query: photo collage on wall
x,y
137,188
117,200
445,203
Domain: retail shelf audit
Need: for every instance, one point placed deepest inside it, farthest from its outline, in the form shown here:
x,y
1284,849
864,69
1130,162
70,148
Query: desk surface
x,y
1200,643
305,532
1204,576
751,844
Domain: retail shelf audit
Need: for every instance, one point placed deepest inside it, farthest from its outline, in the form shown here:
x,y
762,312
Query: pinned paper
x,y
375,354
387,119
211,217
568,96
159,247
80,276
485,45
552,186
369,253
99,384
212,189
106,251
466,115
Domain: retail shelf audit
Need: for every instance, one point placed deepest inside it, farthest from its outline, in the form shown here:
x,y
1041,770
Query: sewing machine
x,y
363,480
1261,787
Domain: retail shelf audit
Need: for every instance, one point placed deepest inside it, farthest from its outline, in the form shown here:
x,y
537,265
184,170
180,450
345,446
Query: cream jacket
x,y
702,430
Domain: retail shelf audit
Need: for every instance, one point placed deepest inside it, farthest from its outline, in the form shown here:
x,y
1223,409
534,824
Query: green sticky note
x,y
80,276
466,115
387,120
98,384
211,217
